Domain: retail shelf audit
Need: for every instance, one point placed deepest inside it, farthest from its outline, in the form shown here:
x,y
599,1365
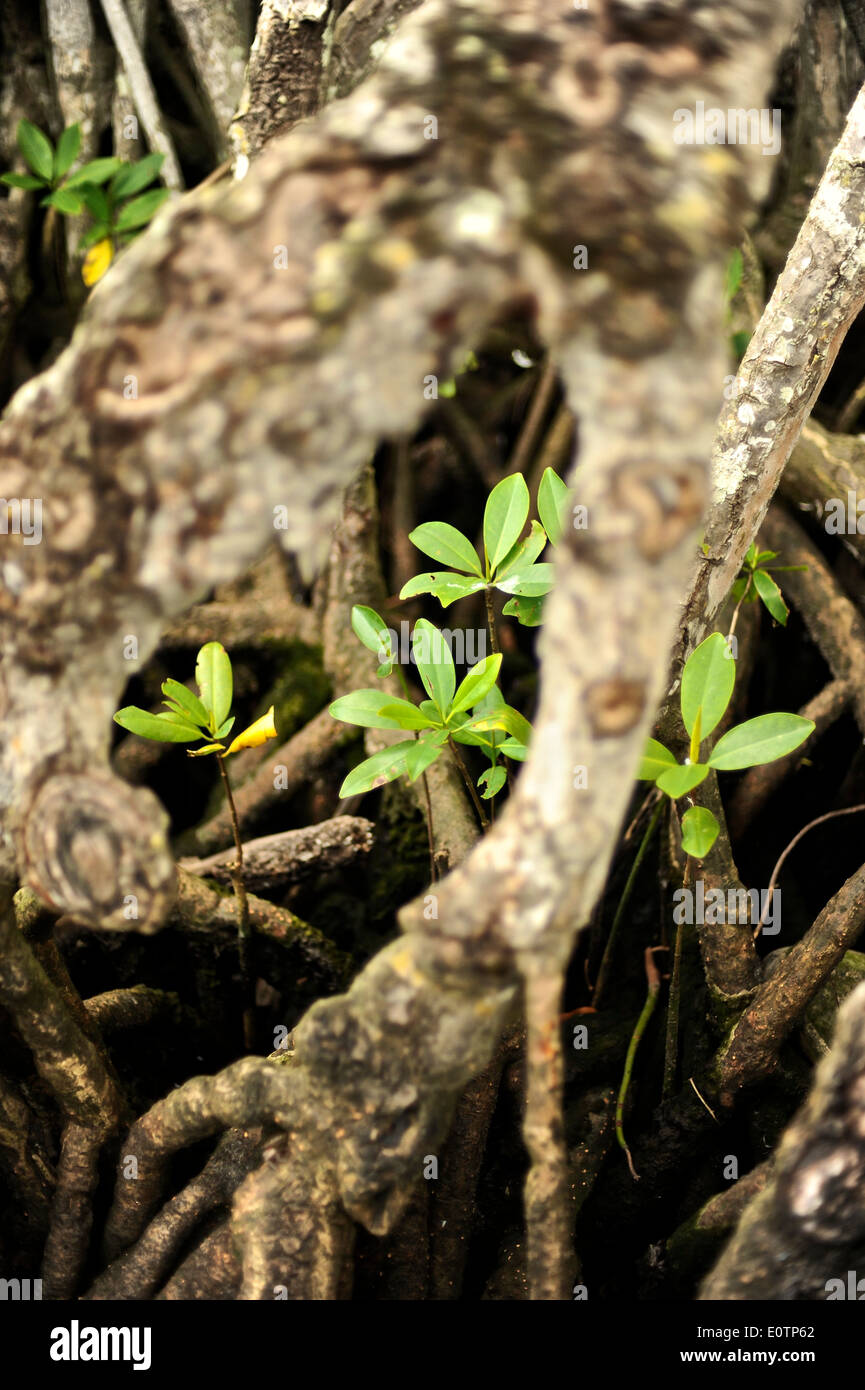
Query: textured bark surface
x,y
807,1226
816,298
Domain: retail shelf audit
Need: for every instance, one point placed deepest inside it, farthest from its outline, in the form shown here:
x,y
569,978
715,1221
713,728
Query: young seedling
x,y
112,191
509,563
189,718
707,686
755,582
450,716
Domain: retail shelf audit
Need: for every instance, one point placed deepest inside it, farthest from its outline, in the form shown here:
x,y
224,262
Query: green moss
x,y
300,686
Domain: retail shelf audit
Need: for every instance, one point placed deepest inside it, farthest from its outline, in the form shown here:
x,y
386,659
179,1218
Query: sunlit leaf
x,y
407,715
374,633
444,585
186,700
532,582
707,683
699,831
156,726
523,554
504,517
528,611
477,683
655,760
771,596
492,781
363,707
215,681
552,499
681,779
445,543
434,663
382,767
760,740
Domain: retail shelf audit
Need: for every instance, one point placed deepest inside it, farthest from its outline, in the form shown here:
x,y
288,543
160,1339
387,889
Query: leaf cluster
x,y
188,717
110,189
510,561
707,686
472,713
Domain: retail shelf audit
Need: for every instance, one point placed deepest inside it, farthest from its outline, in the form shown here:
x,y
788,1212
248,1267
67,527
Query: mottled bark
x,y
816,298
751,1051
807,1226
835,624
292,855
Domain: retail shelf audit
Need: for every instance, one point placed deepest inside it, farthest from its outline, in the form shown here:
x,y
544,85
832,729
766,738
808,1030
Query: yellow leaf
x,y
259,732
97,261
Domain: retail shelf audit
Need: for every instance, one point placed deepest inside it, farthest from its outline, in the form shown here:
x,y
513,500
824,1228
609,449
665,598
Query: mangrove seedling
x,y
188,718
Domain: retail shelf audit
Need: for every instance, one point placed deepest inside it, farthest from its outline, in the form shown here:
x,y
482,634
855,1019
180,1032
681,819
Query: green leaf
x,y
215,682
734,273
528,611
131,178
740,342
188,702
36,149
67,150
407,716
226,728
765,556
514,749
97,233
96,202
374,633
508,719
208,748
760,740
139,212
156,726
707,683
97,171
683,778
418,758
64,201
524,553
364,707
656,759
492,781
445,543
532,582
382,767
699,831
434,663
444,586
23,181
480,679
552,497
771,596
504,518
